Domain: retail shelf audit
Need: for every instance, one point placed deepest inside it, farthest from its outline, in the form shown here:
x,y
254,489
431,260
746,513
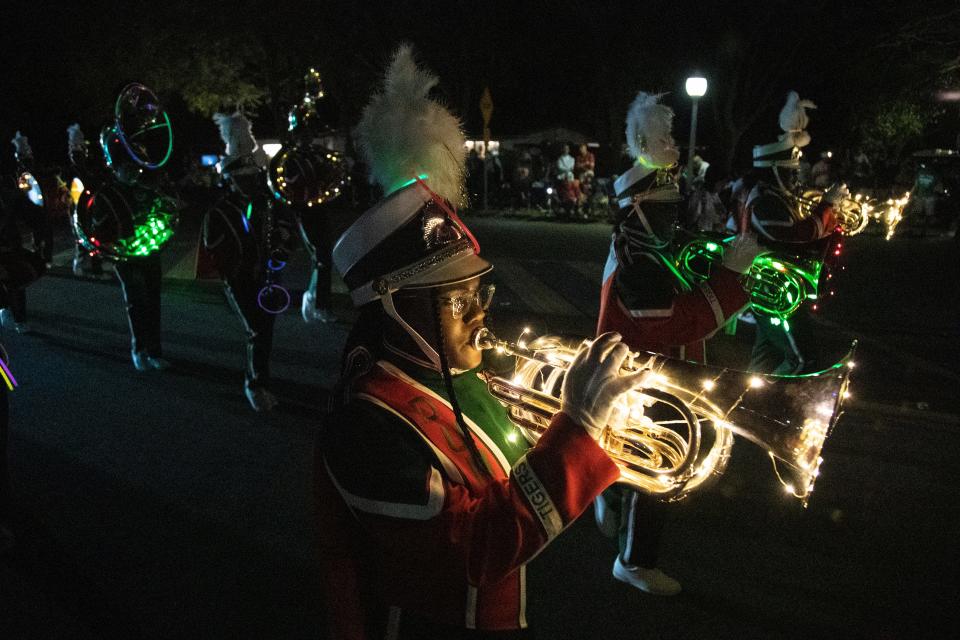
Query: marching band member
x,y
86,173
647,301
21,207
786,348
308,120
127,216
233,234
429,504
141,278
7,539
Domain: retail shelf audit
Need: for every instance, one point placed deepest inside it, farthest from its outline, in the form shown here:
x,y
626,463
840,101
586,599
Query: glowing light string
x,y
7,375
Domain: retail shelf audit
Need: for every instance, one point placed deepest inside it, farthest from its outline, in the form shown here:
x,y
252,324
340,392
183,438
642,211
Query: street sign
x,y
486,106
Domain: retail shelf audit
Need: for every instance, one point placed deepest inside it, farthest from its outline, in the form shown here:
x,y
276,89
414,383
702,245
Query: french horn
x,y
778,282
676,432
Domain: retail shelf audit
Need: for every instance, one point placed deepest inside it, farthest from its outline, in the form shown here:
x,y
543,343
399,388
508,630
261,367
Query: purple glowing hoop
x,y
268,290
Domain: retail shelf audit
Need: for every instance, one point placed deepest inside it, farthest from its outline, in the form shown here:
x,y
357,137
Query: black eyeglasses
x,y
460,303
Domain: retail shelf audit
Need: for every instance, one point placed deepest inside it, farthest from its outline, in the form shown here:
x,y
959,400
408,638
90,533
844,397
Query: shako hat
x,y
650,143
785,152
413,238
415,149
648,193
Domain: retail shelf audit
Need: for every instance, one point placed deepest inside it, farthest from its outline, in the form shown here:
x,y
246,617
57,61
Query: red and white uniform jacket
x,y
643,299
408,523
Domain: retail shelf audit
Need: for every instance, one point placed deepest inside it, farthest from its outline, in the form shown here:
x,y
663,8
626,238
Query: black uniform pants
x,y
242,291
787,348
140,281
642,520
316,237
4,471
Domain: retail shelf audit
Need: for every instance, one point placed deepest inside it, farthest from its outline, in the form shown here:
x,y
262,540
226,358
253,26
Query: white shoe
x,y
311,314
608,520
8,322
260,399
140,360
652,581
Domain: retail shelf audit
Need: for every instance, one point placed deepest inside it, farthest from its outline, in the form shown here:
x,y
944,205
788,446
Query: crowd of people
x,y
435,542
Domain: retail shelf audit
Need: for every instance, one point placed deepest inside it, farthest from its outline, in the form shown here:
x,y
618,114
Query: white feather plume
x,y
404,134
649,125
75,137
22,146
794,119
237,134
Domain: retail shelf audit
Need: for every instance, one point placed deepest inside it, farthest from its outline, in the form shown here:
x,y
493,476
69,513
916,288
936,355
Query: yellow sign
x,y
486,106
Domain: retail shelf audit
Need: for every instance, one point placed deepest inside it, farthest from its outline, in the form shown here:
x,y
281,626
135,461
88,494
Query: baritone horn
x,y
676,432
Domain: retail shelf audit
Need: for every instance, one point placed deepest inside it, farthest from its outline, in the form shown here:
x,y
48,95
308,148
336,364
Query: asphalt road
x,y
160,506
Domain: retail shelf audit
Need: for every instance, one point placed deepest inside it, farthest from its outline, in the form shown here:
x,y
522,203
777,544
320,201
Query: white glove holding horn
x,y
594,382
740,254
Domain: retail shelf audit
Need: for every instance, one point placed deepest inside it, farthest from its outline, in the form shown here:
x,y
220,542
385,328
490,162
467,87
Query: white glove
x,y
836,193
593,383
739,255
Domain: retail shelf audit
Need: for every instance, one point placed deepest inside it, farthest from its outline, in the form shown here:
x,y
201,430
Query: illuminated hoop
x,y
267,291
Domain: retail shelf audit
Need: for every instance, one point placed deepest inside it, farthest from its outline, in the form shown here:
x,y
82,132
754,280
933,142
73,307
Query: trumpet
x,y
676,432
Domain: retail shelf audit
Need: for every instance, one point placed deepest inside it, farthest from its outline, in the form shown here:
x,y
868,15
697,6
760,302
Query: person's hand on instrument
x,y
739,254
594,382
835,194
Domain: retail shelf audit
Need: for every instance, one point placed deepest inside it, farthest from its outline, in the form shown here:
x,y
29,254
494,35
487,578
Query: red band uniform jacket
x,y
414,526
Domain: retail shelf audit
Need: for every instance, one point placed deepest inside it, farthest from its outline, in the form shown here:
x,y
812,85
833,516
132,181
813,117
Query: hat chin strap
x,y
387,301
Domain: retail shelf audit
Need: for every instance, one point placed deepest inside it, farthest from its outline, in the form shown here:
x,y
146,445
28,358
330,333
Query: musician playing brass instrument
x,y
128,218
782,217
234,233
430,503
656,309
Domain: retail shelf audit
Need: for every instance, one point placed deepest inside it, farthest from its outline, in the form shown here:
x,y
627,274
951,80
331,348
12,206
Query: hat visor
x,y
452,271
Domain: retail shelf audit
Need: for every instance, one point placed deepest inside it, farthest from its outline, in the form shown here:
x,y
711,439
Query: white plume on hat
x,y
75,137
22,146
794,119
237,134
649,125
404,134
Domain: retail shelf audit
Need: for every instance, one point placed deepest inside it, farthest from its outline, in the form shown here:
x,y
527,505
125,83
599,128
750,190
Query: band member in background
x,y
234,233
7,539
647,301
311,123
128,216
769,209
85,172
434,543
22,208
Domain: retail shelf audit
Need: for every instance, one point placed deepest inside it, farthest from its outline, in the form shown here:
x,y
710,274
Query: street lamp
x,y
696,88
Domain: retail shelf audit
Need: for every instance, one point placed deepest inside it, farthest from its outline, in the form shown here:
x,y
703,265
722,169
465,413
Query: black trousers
x,y
642,520
5,499
17,301
140,281
316,237
242,291
788,348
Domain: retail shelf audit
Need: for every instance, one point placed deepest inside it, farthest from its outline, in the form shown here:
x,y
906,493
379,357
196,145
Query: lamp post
x,y
696,88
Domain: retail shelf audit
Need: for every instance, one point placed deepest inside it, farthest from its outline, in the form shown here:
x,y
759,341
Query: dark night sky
x,y
567,63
